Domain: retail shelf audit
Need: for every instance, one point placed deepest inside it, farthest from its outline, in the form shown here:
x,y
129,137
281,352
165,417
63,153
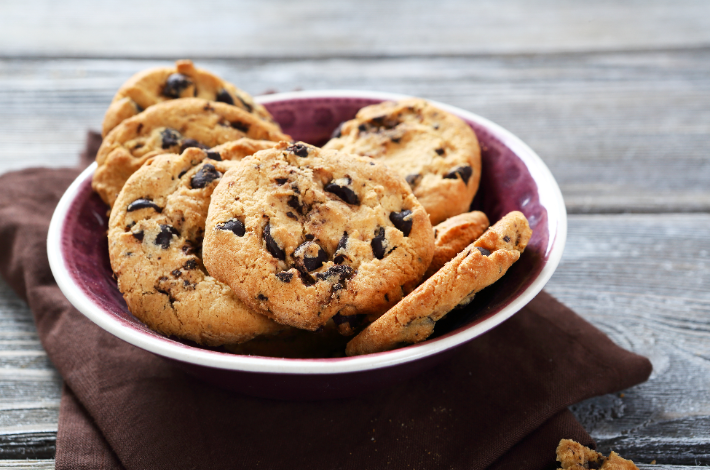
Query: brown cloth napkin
x,y
501,403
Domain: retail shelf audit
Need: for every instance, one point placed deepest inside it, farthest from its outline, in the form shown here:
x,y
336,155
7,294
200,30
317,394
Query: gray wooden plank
x,y
319,28
621,132
43,464
642,279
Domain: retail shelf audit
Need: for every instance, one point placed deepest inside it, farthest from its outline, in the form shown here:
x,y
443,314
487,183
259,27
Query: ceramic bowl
x,y
514,178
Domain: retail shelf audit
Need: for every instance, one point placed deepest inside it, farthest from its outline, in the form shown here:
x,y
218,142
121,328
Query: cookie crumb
x,y
574,456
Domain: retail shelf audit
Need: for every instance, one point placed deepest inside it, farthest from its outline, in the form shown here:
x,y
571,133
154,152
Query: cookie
x,y
453,235
435,151
481,264
170,127
155,235
304,235
574,456
156,85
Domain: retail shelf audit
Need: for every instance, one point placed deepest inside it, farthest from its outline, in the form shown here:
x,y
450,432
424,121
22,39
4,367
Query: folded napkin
x,y
501,403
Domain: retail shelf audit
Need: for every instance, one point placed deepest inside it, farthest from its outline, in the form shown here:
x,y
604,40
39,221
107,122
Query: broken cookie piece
x,y
481,264
574,456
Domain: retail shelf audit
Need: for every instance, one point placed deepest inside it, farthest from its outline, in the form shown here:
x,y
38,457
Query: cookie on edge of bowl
x,y
155,233
152,86
436,152
171,127
453,235
304,234
484,262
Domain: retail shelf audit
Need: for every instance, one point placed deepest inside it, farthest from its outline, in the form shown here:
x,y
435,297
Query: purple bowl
x,y
514,178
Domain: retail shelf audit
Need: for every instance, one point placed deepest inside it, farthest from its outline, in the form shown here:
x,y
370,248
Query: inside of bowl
x,y
506,185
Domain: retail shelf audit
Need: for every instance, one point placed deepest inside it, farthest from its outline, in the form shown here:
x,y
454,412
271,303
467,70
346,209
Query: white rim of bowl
x,y
549,194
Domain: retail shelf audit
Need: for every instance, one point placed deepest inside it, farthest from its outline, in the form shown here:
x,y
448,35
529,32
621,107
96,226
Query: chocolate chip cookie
x,y
304,235
574,456
171,127
480,265
453,235
155,237
435,151
153,86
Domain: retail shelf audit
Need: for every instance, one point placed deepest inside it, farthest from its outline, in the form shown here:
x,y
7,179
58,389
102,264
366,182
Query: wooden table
x,y
614,97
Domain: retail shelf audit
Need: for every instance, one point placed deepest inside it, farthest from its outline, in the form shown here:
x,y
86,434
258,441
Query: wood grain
x,y
642,279
367,28
621,132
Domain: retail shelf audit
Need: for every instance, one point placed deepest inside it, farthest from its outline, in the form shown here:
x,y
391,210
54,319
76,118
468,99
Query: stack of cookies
x,y
225,232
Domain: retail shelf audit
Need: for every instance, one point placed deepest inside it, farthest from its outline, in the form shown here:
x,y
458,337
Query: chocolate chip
x,y
271,244
384,122
403,221
295,203
310,237
483,251
379,243
284,276
281,180
506,239
464,172
143,204
234,226
298,149
187,143
340,259
343,243
413,178
165,236
341,272
396,139
262,297
204,176
240,126
362,128
246,105
223,96
306,278
182,173
439,151
214,155
190,264
170,138
291,215
310,256
189,248
338,132
175,84
138,235
176,272
339,188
